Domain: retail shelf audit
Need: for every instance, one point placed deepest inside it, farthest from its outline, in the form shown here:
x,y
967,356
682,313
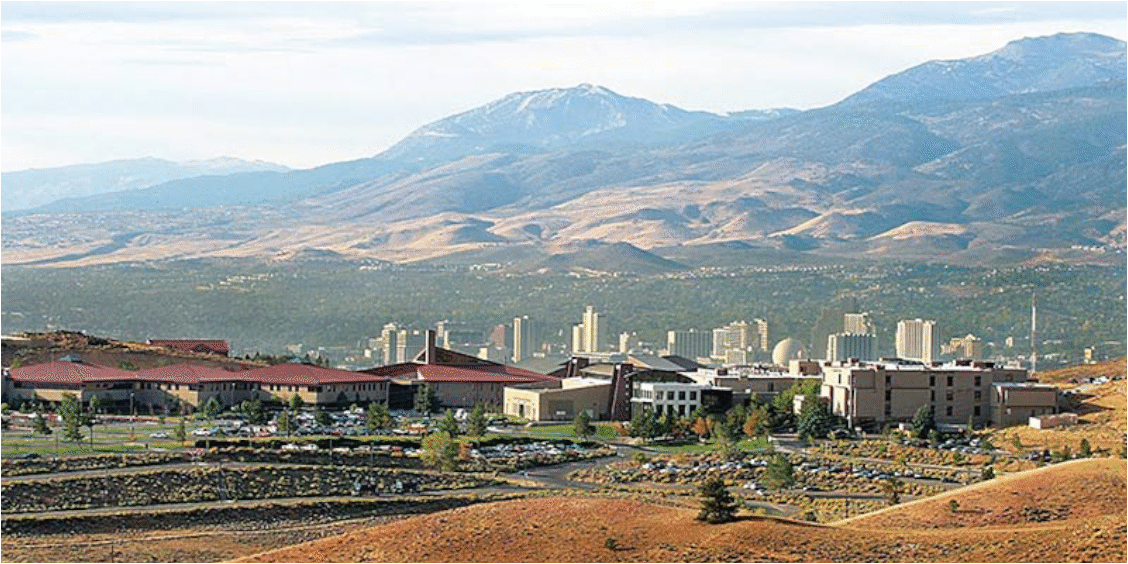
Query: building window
x,y
949,380
932,395
888,395
978,396
771,386
681,395
931,380
888,380
692,396
948,395
888,410
948,411
977,411
978,380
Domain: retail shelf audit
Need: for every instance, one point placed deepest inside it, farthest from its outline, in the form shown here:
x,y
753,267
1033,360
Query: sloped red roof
x,y
305,375
184,373
67,372
194,345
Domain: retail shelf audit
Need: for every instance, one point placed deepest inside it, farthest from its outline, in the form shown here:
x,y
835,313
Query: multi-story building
x,y
760,335
918,339
408,343
692,344
734,336
858,323
964,347
525,337
593,330
846,346
678,398
874,393
388,337
1015,403
750,382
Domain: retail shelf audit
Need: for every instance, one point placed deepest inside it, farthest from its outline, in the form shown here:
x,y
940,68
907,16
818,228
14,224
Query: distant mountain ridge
x,y
1012,156
1041,64
31,188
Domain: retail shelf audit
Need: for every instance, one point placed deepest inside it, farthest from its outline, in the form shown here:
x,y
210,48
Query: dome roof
x,y
787,349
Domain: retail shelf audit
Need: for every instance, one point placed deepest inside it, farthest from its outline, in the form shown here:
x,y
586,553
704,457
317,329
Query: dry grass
x,y
577,530
1103,421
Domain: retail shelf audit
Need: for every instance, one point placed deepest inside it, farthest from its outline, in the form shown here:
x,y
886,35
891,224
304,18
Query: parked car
x,y
159,435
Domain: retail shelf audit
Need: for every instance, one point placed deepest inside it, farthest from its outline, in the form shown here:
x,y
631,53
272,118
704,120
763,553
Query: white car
x,y
202,432
159,435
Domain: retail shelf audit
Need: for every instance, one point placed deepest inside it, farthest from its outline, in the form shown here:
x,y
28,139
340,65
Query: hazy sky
x,y
304,84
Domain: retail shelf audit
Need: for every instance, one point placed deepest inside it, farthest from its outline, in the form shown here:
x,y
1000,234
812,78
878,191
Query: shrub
x,y
717,504
953,505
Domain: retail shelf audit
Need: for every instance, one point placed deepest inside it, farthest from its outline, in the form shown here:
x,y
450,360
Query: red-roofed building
x,y
187,386
199,346
459,380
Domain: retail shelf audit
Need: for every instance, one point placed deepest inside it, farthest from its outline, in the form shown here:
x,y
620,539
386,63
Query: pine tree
x,y
717,504
923,422
476,426
285,423
296,403
440,451
779,473
426,401
448,424
582,425
40,425
378,417
181,433
70,410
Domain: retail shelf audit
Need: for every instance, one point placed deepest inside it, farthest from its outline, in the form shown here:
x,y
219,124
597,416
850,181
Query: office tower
x,y
760,335
846,346
388,338
578,338
964,347
691,344
831,320
858,323
735,335
627,342
409,344
918,339
524,338
593,330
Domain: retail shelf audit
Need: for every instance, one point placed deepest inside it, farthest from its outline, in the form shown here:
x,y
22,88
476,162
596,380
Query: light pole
x,y
132,416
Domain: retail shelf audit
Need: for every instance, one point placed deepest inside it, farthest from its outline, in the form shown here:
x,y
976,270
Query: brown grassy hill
x,y
1118,367
1079,489
578,529
1103,421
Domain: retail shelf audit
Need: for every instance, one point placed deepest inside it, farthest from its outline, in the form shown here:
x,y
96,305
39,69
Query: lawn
x,y
107,438
603,431
753,444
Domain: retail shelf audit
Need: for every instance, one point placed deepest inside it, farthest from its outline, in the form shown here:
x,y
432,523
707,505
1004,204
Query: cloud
x,y
13,35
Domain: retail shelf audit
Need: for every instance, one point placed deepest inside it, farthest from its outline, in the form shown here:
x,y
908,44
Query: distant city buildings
x,y
526,335
918,339
964,347
736,336
628,341
691,344
846,346
588,335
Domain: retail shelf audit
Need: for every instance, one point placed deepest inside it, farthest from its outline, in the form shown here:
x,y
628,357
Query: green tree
x,y
734,422
644,424
254,411
717,504
476,426
212,408
987,473
296,402
893,488
1085,449
754,423
779,473
285,423
70,410
923,422
426,402
322,417
40,426
582,425
95,405
181,433
815,419
377,417
448,424
440,451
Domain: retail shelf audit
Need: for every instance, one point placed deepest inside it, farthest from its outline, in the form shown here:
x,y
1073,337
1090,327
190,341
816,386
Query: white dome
x,y
787,349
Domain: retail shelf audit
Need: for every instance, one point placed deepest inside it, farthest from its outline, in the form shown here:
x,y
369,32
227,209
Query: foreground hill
x,y
577,530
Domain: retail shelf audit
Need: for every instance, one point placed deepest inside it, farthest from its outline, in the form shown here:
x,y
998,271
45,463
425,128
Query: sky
x,y
309,83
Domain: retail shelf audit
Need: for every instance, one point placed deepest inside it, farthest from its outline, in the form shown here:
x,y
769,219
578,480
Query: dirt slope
x,y
578,529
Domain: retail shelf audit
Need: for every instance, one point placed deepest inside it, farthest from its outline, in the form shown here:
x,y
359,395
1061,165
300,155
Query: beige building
x,y
1018,403
917,339
872,394
559,401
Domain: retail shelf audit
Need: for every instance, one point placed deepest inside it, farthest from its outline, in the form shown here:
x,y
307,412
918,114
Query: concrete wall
x,y
558,404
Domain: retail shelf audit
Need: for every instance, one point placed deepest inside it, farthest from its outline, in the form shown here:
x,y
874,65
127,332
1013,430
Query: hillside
x,y
1013,157
578,529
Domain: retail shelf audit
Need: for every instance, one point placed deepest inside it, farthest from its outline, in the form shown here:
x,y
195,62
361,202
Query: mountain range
x,y
1013,156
